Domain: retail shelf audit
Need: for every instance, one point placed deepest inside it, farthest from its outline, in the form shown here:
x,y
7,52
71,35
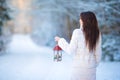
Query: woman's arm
x,y
69,47
98,52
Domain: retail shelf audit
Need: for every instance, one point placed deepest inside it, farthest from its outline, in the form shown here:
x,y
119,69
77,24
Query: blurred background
x,y
44,19
28,28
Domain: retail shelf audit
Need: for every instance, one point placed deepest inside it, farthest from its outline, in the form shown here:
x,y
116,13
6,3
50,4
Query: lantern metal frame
x,y
57,53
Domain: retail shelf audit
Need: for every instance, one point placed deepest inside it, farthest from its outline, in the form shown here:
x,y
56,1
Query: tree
x,y
4,16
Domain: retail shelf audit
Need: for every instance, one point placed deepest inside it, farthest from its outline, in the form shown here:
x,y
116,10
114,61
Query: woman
x,y
86,45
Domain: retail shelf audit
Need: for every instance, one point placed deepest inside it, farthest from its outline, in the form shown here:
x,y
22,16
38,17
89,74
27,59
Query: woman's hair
x,y
90,29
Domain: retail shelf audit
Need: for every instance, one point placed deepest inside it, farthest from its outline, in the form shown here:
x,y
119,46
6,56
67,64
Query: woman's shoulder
x,y
77,31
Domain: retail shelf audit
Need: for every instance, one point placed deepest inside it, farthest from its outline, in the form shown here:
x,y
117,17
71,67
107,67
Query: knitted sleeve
x,y
98,52
69,47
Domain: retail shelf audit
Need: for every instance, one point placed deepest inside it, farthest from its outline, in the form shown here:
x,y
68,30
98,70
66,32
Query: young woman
x,y
86,45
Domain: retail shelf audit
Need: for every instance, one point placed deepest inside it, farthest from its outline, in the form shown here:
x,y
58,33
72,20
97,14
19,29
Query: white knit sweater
x,y
82,58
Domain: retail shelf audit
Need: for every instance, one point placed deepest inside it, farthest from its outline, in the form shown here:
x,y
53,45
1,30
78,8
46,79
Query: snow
x,y
25,60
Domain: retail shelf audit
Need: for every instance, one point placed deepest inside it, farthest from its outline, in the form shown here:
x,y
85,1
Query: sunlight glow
x,y
22,18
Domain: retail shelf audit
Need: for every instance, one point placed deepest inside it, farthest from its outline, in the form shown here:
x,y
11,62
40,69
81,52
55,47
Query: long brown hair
x,y
90,29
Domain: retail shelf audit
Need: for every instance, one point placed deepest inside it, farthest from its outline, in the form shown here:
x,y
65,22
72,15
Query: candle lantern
x,y
57,53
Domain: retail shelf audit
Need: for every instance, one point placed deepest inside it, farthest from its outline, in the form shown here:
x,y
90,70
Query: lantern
x,y
57,53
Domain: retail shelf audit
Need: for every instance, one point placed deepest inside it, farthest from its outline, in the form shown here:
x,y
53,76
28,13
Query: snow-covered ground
x,y
25,60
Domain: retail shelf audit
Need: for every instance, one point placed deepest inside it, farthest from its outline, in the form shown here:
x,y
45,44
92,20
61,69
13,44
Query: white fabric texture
x,y
84,62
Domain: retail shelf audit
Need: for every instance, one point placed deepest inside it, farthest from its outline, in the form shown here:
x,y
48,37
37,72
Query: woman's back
x,y
83,57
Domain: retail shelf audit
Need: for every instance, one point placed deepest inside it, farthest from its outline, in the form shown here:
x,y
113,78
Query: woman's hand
x,y
57,38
